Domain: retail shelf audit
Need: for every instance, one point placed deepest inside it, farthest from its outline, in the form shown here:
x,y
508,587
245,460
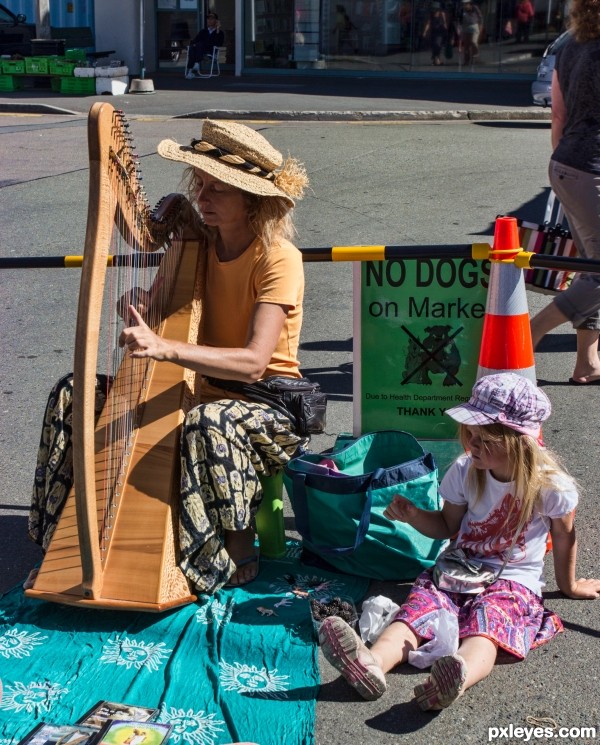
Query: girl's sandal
x,y
345,650
444,684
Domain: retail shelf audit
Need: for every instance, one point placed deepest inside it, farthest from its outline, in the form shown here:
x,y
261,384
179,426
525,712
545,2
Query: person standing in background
x,y
437,28
575,178
471,21
523,16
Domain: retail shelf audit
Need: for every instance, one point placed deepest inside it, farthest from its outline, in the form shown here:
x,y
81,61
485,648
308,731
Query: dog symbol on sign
x,y
436,353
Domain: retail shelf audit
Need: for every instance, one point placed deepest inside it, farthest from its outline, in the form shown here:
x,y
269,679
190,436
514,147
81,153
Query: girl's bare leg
x,y
394,644
451,675
479,654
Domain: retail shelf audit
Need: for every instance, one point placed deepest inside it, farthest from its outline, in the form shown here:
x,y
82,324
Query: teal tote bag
x,y
338,499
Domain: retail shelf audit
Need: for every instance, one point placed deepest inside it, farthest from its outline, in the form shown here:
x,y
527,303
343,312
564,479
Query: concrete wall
x,y
118,27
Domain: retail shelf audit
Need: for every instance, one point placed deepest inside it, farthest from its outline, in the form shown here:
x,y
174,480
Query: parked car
x,y
542,85
15,33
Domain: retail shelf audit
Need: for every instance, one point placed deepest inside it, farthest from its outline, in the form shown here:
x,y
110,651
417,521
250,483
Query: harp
x,y
115,545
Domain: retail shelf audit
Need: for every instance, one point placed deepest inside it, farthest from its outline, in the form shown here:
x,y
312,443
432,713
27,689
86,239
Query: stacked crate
x,y
68,74
9,70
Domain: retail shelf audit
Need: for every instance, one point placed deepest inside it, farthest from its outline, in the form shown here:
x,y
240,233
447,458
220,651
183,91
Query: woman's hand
x,y
401,509
140,341
136,297
141,299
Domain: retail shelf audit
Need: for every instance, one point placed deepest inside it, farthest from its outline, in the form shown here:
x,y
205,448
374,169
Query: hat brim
x,y
470,415
229,174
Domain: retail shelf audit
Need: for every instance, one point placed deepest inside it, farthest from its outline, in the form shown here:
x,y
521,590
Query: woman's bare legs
x,y
240,547
587,362
543,322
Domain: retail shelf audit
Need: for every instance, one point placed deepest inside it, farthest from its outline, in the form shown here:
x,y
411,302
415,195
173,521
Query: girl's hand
x,y
140,341
401,509
585,589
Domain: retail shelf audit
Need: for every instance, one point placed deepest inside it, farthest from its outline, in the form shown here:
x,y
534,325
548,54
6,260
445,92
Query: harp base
x,y
78,600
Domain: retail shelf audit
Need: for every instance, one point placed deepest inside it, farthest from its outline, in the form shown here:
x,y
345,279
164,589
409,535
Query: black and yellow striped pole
x,y
329,253
477,251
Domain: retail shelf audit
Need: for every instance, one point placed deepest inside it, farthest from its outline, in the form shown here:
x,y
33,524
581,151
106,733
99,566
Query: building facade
x,y
382,37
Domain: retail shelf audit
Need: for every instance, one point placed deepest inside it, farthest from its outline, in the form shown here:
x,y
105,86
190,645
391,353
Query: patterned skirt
x,y
54,472
506,612
226,447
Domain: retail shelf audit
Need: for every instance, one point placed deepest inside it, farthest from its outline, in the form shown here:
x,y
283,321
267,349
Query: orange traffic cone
x,y
506,344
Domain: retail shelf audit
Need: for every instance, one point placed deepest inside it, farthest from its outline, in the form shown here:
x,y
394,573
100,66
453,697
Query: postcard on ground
x,y
118,732
104,711
60,734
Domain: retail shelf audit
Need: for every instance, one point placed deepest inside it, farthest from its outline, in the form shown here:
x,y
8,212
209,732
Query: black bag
x,y
301,400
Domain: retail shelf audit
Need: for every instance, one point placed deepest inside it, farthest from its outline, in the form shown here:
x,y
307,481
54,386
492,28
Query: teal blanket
x,y
237,666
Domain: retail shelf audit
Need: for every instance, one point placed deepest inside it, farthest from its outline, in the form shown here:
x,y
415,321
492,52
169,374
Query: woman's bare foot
x,y
31,577
240,547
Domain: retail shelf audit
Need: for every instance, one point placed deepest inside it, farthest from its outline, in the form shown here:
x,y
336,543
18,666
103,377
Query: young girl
x,y
500,501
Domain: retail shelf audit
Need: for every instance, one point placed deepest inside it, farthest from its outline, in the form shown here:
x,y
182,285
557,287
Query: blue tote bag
x,y
339,497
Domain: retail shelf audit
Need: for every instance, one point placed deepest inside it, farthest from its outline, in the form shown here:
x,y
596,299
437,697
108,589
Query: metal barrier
x,y
478,251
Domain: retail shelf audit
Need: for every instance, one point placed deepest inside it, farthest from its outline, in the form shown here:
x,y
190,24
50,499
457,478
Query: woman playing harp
x,y
252,314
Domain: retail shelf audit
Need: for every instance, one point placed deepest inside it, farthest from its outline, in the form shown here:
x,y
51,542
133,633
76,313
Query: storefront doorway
x,y
178,21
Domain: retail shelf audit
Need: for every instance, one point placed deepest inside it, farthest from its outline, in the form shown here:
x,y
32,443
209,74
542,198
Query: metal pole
x,y
142,64
141,85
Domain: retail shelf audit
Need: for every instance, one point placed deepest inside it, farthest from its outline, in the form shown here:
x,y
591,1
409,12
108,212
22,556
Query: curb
x,y
317,116
34,108
452,115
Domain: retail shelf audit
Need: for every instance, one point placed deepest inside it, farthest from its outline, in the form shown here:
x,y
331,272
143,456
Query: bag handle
x,y
302,520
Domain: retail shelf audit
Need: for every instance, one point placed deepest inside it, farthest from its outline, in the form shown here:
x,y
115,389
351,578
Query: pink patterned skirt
x,y
506,612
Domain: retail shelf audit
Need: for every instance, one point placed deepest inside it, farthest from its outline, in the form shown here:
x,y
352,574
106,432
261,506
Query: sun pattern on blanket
x,y
237,666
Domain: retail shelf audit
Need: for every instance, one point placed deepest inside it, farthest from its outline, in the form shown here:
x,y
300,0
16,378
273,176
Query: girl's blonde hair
x,y
534,468
584,20
270,218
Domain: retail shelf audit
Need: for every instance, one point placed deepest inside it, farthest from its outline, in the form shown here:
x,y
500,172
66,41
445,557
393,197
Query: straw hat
x,y
237,155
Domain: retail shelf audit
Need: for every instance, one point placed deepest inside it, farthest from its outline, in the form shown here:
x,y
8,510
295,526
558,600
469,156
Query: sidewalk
x,y
282,97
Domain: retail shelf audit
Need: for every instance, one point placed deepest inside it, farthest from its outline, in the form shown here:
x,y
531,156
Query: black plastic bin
x,y
47,47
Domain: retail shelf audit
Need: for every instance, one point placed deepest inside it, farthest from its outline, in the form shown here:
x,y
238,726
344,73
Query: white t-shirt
x,y
480,528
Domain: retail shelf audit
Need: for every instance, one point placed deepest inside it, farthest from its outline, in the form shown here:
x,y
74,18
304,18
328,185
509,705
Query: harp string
x,y
131,234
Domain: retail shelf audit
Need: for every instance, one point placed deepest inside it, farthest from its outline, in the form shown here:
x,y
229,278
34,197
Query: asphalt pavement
x,y
433,182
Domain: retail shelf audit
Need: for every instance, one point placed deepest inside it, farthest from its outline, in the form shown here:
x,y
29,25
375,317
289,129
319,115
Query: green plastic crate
x,y
10,83
76,55
60,66
78,86
55,84
11,66
37,65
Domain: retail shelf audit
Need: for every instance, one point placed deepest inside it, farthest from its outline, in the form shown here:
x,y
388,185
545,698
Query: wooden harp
x,y
115,545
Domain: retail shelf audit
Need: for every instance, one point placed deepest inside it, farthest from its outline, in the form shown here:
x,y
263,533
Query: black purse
x,y
301,400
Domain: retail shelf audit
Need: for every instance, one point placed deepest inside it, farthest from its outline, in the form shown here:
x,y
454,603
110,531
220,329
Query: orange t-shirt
x,y
234,287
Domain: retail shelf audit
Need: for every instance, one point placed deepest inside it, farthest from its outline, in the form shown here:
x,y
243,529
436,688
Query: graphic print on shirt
x,y
494,534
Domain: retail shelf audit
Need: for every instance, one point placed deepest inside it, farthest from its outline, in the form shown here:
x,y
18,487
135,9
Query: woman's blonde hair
x,y
269,218
534,468
584,20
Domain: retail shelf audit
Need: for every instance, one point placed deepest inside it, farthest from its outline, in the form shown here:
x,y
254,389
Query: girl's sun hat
x,y
505,398
241,157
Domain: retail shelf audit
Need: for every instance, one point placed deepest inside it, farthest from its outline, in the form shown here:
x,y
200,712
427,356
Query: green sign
x,y
420,323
